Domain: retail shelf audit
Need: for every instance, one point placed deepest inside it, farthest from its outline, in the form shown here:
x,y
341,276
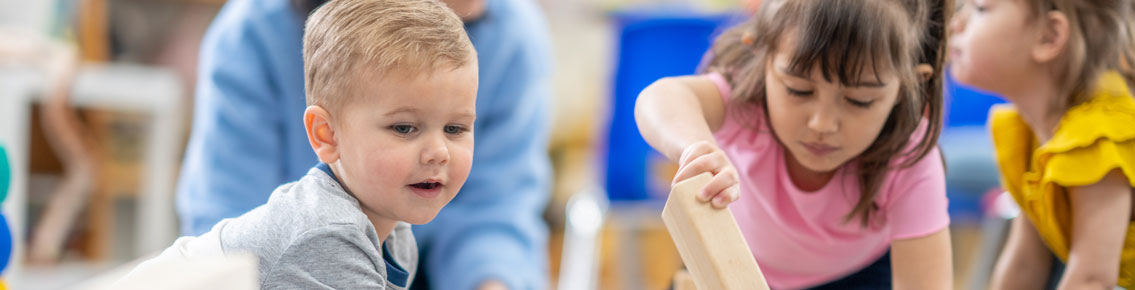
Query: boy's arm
x,y
674,112
1100,215
1025,262
330,257
923,263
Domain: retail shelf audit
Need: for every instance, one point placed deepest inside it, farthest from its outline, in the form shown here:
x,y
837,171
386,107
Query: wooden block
x,y
231,272
709,240
683,281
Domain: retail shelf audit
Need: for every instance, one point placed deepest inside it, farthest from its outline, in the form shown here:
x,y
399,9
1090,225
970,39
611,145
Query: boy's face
x,y
405,146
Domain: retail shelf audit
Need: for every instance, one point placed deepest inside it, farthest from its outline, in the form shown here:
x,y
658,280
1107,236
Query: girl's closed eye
x,y
798,93
860,103
977,7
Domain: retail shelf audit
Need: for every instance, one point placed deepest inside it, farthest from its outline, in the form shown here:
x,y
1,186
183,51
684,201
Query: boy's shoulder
x,y
314,222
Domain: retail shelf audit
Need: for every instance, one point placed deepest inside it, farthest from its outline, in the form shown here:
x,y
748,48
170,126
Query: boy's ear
x,y
1053,38
924,71
321,134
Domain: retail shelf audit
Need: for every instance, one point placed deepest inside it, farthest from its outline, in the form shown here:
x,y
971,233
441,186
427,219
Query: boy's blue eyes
x,y
455,129
404,129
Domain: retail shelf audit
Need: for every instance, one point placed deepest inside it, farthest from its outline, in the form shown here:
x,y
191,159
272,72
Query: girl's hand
x,y
705,156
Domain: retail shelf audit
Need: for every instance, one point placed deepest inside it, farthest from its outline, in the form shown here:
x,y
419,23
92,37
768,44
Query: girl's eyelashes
x,y
798,93
861,104
977,7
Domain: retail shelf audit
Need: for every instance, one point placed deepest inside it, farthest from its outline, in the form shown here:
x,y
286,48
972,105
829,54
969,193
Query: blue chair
x,y
970,161
651,45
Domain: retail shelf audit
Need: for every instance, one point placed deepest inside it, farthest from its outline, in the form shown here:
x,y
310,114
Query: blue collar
x,y
327,168
394,272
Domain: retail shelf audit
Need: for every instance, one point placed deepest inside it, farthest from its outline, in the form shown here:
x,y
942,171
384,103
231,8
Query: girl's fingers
x,y
720,182
693,151
711,163
729,195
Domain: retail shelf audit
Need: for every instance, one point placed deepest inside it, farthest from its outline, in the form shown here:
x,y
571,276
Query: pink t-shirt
x,y
799,238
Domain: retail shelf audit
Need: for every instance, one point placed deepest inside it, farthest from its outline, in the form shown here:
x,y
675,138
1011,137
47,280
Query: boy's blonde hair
x,y
1101,37
362,40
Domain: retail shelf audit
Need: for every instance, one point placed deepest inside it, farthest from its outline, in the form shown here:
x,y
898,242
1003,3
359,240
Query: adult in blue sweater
x,y
248,137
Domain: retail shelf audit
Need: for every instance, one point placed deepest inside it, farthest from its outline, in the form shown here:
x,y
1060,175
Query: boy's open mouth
x,y
427,185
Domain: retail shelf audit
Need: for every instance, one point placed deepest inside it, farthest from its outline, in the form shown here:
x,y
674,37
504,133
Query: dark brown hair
x,y
843,37
1101,38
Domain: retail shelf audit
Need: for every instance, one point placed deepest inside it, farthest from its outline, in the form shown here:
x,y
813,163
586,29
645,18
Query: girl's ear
x,y
1053,38
924,71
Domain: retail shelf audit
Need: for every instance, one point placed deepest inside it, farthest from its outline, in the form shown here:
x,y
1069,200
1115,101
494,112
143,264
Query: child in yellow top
x,y
1066,148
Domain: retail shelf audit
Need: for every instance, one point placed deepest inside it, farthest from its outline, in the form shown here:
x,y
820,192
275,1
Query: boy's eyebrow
x,y
402,110
860,84
412,110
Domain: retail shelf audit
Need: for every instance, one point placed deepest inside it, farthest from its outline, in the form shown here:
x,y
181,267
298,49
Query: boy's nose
x,y
436,152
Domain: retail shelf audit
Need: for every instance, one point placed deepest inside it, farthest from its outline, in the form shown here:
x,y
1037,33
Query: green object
x,y
5,174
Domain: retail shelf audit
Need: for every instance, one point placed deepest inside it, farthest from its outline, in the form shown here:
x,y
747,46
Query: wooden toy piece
x,y
709,241
683,281
230,272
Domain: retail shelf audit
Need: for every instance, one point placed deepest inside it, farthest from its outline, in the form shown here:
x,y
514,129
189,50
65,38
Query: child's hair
x,y
346,40
1101,37
844,37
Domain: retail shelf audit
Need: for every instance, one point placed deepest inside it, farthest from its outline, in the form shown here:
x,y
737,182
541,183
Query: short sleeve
x,y
917,204
722,85
1087,165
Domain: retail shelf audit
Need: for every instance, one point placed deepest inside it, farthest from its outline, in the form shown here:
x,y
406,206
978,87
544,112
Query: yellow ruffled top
x,y
1091,140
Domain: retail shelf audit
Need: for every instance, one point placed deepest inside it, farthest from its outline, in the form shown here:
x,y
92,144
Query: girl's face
x,y
990,44
823,123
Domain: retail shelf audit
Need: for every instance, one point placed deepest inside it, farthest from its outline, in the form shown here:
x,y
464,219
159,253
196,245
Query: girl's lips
x,y
819,149
955,53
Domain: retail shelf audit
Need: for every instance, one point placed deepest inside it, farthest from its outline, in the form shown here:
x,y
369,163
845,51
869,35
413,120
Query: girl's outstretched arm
x,y
1025,262
675,112
1100,215
923,263
677,116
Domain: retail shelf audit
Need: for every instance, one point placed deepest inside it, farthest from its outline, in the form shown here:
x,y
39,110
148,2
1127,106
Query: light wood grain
x,y
709,240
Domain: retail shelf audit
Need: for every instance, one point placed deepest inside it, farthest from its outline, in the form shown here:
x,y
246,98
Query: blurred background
x,y
96,100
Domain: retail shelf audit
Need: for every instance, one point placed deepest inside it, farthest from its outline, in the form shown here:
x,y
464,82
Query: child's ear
x,y
1053,38
321,134
924,71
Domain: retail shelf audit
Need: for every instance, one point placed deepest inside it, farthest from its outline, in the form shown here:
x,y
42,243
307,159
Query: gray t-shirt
x,y
310,235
